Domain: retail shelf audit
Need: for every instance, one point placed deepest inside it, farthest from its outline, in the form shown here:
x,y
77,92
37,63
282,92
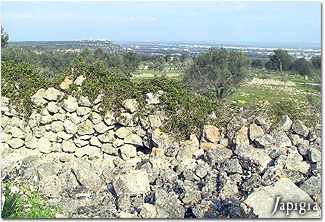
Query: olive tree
x,y
217,70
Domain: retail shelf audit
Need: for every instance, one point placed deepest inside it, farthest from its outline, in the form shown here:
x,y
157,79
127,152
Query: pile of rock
x,y
125,166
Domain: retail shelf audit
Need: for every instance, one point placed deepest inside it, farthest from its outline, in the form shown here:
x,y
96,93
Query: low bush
x,y
20,81
27,205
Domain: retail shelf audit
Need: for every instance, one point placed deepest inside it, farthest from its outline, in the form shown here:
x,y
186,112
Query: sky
x,y
236,22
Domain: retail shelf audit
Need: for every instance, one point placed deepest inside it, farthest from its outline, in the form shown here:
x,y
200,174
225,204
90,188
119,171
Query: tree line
x,y
282,61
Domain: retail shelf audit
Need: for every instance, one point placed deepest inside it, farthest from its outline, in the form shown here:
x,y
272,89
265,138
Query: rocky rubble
x,y
124,166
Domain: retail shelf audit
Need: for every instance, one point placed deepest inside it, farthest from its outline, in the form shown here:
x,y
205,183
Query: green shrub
x,y
20,81
219,70
27,205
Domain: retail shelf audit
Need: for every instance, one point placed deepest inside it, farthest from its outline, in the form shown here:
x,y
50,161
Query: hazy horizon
x,y
296,23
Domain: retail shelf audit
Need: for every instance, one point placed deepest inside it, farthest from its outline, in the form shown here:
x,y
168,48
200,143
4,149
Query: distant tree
x,y
217,70
4,38
131,62
99,53
316,62
257,63
301,66
270,65
280,60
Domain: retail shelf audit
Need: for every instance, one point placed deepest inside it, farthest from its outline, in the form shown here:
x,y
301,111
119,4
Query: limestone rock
x,y
208,146
128,151
70,104
232,166
51,186
82,110
109,118
53,94
86,128
86,175
315,155
66,83
107,137
134,140
152,99
131,105
16,143
70,127
211,133
282,140
38,98
255,131
168,205
52,107
79,80
95,141
295,162
122,132
109,149
101,127
68,146
45,146
285,123
312,185
148,211
125,119
57,126
133,183
84,101
287,191
218,155
242,137
92,152
154,121
299,128
253,154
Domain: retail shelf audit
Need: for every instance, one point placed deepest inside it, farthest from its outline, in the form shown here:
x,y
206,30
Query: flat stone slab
x,y
134,183
264,201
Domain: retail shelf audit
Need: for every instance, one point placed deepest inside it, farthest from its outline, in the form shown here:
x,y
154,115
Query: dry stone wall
x,y
104,164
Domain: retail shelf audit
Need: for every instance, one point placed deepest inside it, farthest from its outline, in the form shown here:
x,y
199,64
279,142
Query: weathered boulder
x,y
128,151
131,105
15,143
79,80
241,138
70,127
211,133
152,99
86,128
285,123
286,191
168,205
299,128
83,110
255,131
123,132
253,154
134,140
70,104
154,121
86,175
133,183
68,146
312,185
53,94
314,155
38,98
217,155
65,84
148,211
